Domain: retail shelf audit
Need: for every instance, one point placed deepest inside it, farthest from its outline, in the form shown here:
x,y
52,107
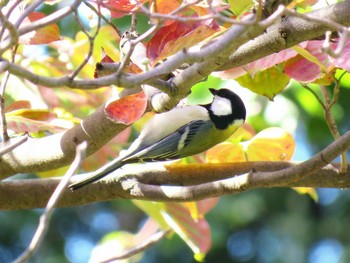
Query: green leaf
x,y
240,7
268,83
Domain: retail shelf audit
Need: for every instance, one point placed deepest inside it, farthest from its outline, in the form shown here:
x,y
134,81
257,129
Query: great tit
x,y
179,133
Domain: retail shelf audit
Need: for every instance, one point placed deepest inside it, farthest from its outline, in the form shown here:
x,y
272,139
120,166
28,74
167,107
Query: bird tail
x,y
96,175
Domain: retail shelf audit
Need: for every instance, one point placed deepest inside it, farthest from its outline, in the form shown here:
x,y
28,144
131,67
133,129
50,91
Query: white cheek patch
x,y
221,106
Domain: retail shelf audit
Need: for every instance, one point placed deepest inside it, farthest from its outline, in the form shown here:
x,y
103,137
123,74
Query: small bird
x,y
179,133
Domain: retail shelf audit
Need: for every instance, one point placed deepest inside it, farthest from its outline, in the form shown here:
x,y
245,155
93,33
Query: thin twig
x,y
91,41
3,84
327,105
141,247
107,21
46,216
6,147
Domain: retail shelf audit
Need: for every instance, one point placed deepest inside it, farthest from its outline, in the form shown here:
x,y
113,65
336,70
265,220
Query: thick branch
x,y
180,183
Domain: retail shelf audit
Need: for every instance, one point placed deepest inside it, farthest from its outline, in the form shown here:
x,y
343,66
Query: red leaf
x,y
42,35
120,8
176,36
127,110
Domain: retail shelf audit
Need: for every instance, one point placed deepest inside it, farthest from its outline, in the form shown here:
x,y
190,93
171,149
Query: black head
x,y
226,108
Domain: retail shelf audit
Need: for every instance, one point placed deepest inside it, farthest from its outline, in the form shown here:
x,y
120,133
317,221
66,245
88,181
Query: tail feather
x,y
96,175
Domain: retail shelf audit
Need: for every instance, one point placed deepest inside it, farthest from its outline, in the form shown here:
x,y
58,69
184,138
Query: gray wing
x,y
170,147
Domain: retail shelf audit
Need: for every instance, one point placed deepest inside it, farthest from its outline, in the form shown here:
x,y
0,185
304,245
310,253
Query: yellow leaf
x,y
271,144
226,152
308,191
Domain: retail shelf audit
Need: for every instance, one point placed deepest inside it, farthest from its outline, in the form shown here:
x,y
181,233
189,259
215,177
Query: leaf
x,y
271,144
195,232
154,210
17,105
343,60
240,7
308,65
225,152
37,120
179,35
120,8
260,64
186,219
268,83
307,191
42,35
126,110
164,6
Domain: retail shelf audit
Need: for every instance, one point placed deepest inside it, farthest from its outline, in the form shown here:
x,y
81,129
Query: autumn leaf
x,y
194,231
120,8
126,110
225,152
179,35
35,121
42,35
271,144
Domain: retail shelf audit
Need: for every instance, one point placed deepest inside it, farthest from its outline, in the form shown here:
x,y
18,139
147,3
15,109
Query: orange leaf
x,y
226,152
126,110
17,105
42,35
271,144
176,36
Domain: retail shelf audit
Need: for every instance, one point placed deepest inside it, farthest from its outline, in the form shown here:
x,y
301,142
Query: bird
x,y
180,132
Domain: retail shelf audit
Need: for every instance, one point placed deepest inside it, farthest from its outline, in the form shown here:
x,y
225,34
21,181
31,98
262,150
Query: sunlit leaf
x,y
271,144
260,64
120,8
195,232
18,105
164,6
42,35
126,110
307,191
53,173
308,65
179,35
268,83
225,152
37,120
239,7
155,210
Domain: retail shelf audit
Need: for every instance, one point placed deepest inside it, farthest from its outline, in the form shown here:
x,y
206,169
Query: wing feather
x,y
168,147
